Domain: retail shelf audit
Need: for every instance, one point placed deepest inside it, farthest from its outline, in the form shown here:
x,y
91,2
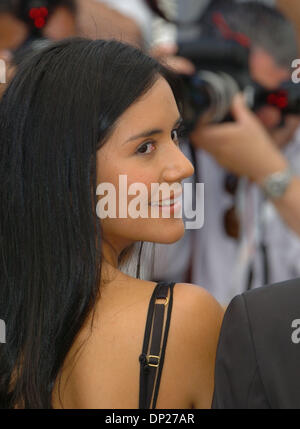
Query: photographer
x,y
26,25
245,149
22,21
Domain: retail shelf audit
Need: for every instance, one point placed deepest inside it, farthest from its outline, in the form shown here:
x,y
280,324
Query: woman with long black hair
x,y
78,114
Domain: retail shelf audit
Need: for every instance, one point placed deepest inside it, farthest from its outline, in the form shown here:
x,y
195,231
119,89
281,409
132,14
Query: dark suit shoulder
x,y
273,314
287,293
237,379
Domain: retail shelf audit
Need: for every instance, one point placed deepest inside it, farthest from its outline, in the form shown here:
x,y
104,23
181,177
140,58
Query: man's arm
x,y
288,206
237,378
246,149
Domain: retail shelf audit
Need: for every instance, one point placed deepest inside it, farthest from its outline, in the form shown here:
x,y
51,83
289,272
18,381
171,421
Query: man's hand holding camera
x,y
242,146
245,148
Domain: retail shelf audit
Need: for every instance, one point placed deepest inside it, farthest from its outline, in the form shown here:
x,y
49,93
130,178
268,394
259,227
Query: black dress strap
x,y
154,346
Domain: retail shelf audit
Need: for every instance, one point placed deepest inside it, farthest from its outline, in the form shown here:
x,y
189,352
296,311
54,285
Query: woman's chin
x,y
169,234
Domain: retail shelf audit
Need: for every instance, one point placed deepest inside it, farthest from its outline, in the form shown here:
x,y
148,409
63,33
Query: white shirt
x,y
137,10
217,257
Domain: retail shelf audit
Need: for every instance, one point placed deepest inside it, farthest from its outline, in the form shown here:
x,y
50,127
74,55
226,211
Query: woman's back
x,y
107,369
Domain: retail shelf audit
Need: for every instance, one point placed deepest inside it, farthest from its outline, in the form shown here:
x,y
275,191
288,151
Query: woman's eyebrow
x,y
149,133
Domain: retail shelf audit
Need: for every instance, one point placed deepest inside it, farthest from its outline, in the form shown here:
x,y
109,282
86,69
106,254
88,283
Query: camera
x,y
286,99
222,71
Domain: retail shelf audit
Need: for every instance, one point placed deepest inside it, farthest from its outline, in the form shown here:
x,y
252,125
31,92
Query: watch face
x,y
276,189
276,185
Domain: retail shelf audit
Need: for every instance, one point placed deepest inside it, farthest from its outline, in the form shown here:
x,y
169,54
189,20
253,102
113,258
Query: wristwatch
x,y
275,185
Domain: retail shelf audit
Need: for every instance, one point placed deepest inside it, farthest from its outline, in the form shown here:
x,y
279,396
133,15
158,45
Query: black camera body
x,y
222,71
286,99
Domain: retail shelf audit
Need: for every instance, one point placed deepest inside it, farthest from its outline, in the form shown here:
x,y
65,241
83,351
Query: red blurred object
x,y
34,13
278,99
39,22
282,102
38,15
44,12
227,33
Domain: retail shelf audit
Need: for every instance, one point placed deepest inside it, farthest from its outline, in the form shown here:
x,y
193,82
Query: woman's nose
x,y
176,166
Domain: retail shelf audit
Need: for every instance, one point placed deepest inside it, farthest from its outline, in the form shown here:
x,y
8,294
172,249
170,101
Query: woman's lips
x,y
167,202
170,205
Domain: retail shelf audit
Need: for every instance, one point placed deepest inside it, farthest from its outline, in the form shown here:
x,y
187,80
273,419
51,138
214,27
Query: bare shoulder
x,y
197,306
194,333
197,320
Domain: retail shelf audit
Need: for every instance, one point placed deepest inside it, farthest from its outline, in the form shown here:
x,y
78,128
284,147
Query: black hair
x,y
58,110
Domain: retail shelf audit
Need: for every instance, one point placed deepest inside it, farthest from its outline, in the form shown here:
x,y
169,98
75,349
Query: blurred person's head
x,y
76,115
21,20
268,33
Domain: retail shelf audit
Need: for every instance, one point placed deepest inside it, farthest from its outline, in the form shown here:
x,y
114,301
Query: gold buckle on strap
x,y
155,365
166,300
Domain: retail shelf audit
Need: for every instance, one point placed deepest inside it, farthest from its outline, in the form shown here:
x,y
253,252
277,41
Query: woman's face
x,y
144,149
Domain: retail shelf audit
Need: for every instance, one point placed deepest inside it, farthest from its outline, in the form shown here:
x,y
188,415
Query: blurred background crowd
x,y
250,236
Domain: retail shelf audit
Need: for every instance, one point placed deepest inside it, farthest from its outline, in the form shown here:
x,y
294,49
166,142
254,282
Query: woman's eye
x,y
144,148
174,136
178,133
